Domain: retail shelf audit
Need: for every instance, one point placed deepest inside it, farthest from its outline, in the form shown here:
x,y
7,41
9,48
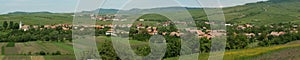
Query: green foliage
x,y
35,35
3,50
10,44
16,26
11,25
107,51
42,53
56,53
5,24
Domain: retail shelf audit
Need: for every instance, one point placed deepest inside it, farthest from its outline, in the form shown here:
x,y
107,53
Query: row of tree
x,y
10,25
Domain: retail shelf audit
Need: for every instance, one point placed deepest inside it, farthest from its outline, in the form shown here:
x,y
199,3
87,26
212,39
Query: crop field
x,y
26,51
64,57
37,57
134,43
2,45
16,58
29,48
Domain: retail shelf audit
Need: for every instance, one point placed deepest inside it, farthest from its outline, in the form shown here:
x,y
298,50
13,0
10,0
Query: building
x,y
141,19
109,32
20,25
25,27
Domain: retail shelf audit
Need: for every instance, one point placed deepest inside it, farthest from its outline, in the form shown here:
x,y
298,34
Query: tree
x,y
16,26
11,25
56,53
42,53
5,24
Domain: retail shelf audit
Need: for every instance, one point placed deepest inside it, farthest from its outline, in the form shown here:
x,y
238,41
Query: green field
x,y
260,53
27,50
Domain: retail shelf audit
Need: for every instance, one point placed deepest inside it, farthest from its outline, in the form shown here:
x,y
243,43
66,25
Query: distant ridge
x,y
260,13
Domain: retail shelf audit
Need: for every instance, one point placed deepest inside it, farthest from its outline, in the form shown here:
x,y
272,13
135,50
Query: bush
x,y
56,53
42,53
10,44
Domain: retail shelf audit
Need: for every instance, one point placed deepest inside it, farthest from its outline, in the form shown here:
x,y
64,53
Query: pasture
x,y
255,53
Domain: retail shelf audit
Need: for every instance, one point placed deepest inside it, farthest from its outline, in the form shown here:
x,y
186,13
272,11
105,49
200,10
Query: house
x,y
64,28
25,27
249,25
295,26
154,28
116,19
53,27
166,23
204,28
140,25
129,25
164,33
206,22
259,34
241,27
110,25
141,19
277,33
294,30
47,26
281,33
35,27
208,36
228,25
250,35
99,27
199,32
109,32
175,34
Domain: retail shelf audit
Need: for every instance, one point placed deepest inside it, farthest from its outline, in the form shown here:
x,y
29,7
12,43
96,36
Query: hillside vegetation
x,y
37,18
272,11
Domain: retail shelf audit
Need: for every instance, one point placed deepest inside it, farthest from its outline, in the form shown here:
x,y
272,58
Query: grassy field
x,y
22,51
251,53
29,48
283,54
39,18
102,39
258,53
26,51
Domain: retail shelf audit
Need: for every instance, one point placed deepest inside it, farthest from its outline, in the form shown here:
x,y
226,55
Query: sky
x,y
67,6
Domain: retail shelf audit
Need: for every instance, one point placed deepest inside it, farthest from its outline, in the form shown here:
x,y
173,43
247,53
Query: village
x,y
153,30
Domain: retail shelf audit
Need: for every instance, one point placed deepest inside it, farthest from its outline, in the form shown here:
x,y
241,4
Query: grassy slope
x,y
257,13
247,54
37,18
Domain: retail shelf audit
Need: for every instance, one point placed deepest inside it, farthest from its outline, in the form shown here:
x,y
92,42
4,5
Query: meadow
x,y
257,53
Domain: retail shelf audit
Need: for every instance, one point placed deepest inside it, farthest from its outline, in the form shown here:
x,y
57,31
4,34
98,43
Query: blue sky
x,y
62,6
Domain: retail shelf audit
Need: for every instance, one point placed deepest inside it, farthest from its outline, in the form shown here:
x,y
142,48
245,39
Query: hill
x,y
37,18
273,11
260,13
